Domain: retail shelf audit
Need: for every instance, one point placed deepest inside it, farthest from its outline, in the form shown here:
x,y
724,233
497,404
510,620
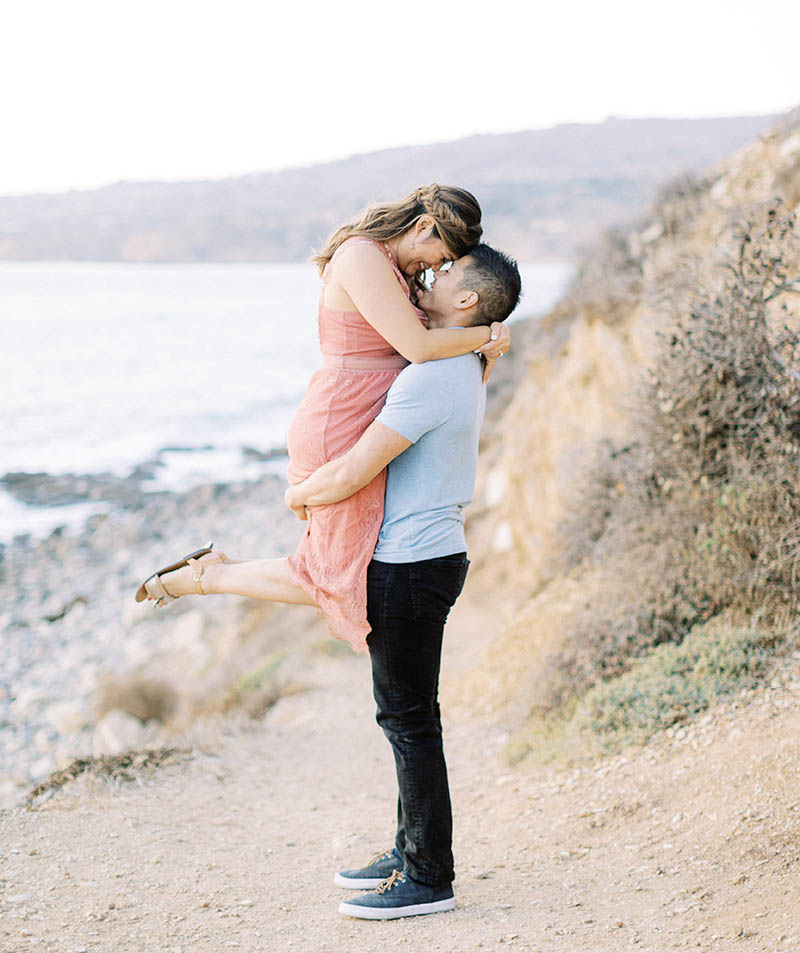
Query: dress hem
x,y
323,604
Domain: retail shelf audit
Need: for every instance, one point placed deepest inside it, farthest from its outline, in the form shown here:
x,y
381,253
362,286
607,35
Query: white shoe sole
x,y
349,883
393,913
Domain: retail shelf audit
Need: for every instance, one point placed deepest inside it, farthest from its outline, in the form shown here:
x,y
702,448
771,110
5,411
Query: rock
x,y
42,741
51,669
28,700
77,748
57,610
502,539
133,612
41,767
9,794
187,637
496,482
66,717
263,456
116,732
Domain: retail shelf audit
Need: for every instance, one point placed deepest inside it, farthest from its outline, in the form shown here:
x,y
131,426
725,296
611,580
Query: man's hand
x,y
293,499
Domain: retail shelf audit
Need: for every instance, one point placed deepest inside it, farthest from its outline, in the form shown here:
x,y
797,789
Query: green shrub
x,y
668,686
258,690
674,682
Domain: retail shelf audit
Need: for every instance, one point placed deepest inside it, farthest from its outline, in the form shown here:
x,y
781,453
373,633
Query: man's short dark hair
x,y
495,278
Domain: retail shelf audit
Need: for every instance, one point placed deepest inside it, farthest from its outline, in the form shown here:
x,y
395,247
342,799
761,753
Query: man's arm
x,y
337,479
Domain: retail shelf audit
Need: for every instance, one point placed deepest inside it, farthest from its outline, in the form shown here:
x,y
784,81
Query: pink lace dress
x,y
342,400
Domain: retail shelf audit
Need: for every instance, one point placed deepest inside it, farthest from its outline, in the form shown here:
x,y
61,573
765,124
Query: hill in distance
x,y
546,194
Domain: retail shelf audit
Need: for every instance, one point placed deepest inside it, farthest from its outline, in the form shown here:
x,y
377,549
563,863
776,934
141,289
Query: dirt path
x,y
691,843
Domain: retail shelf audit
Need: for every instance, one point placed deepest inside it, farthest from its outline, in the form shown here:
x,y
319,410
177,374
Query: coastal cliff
x,y
644,481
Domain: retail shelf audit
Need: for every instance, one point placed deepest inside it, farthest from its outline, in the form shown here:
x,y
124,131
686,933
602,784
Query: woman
x,y
369,330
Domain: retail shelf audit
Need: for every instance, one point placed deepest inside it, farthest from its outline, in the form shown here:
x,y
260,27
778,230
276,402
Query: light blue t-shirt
x,y
439,407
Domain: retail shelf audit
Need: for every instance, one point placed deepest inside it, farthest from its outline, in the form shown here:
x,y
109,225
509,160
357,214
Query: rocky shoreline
x,y
79,654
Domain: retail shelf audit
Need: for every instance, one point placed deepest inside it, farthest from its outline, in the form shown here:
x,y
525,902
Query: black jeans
x,y
407,606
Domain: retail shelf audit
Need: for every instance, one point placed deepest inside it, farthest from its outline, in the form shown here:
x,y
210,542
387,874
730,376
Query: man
x,y
427,434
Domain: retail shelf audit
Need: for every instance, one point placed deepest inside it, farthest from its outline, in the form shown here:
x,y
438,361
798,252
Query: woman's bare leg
x,y
269,579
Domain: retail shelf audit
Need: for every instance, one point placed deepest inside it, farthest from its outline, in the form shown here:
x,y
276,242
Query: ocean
x,y
192,370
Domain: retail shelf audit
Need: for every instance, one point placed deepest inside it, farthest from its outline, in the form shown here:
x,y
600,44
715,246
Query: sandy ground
x,y
690,843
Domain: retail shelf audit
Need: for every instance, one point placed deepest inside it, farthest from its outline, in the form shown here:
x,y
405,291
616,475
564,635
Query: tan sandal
x,y
153,587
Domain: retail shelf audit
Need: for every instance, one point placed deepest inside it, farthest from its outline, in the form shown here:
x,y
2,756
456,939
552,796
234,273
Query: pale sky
x,y
94,91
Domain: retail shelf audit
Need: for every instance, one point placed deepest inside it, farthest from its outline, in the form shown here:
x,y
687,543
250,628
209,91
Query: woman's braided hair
x,y
455,212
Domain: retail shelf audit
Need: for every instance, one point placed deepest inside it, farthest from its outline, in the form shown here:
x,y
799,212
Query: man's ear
x,y
465,299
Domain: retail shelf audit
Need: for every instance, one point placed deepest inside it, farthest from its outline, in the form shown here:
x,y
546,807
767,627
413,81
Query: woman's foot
x,y
191,567
188,580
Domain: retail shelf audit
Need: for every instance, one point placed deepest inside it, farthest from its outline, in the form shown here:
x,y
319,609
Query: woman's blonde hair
x,y
455,212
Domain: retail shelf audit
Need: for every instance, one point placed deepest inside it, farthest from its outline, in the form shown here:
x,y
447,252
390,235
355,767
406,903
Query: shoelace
x,y
381,856
397,876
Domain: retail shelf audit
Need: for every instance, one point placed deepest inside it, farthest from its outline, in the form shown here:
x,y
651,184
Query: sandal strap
x,y
154,588
197,575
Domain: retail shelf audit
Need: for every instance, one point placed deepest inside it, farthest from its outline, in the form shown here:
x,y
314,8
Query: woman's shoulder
x,y
359,259
354,240
354,253
361,247
362,254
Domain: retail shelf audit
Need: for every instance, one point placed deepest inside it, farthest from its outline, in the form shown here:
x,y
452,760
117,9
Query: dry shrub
x,y
257,690
678,203
142,696
127,766
702,512
609,281
721,416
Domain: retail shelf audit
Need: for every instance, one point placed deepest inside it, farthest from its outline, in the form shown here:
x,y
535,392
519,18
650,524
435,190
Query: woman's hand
x,y
499,343
290,498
